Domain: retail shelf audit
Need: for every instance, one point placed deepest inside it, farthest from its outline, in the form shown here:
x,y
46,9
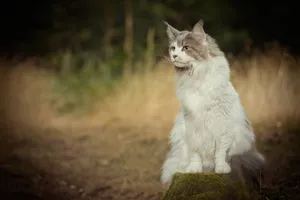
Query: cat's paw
x,y
223,168
181,167
194,167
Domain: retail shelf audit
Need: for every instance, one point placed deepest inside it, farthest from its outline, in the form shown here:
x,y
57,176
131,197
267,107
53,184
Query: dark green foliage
x,y
40,27
80,25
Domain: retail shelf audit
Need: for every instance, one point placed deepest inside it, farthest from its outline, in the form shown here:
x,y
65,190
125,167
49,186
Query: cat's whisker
x,y
163,55
166,58
167,61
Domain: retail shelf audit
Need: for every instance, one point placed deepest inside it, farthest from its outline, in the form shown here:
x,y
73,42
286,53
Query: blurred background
x,y
88,96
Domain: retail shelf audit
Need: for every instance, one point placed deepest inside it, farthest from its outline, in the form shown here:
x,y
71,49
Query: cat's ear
x,y
198,31
198,28
171,31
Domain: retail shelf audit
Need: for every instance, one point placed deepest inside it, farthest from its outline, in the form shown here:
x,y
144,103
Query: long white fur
x,y
212,125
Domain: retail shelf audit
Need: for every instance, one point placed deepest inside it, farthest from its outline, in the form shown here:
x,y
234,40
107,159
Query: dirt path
x,y
88,163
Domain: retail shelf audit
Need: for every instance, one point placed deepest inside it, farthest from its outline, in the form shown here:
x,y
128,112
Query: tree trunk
x,y
128,40
149,55
108,28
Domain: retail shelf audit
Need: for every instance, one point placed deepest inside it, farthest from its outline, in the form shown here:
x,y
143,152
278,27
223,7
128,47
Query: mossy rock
x,y
208,187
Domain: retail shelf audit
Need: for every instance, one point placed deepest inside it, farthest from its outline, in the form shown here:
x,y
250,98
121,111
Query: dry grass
x,y
26,92
268,87
143,99
267,83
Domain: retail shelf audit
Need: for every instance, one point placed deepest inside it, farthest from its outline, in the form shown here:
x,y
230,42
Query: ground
x,y
92,163
41,160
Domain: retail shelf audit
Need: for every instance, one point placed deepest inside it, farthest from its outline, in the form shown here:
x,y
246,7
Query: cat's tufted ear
x,y
198,28
198,31
171,31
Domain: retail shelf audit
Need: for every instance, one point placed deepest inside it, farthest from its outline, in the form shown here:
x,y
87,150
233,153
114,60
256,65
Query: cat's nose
x,y
174,56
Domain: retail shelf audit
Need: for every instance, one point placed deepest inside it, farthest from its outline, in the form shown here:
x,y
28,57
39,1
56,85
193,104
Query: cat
x,y
211,132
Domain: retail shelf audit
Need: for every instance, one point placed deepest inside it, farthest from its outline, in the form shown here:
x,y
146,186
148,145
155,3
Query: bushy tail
x,y
250,165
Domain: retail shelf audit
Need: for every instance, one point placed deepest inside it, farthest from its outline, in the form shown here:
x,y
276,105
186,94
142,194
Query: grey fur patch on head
x,y
199,44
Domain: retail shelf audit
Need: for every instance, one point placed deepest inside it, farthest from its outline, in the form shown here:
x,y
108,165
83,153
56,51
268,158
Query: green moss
x,y
207,186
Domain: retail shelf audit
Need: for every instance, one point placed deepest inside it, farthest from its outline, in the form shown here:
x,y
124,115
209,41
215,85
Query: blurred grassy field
x,y
108,136
266,81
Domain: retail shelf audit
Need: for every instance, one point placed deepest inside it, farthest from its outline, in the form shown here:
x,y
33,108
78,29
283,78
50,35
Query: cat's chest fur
x,y
205,109
194,100
196,116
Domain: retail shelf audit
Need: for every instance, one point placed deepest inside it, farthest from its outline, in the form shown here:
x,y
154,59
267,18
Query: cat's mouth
x,y
181,69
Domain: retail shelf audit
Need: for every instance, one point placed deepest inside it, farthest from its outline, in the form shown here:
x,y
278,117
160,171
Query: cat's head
x,y
188,47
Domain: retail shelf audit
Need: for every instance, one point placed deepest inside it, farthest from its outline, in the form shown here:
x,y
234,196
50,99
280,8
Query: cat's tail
x,y
250,164
169,167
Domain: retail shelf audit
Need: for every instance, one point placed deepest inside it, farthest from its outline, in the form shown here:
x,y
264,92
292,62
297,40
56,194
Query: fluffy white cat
x,y
211,132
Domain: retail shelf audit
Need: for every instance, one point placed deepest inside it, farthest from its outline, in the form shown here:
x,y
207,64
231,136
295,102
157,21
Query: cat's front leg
x,y
195,164
221,165
191,161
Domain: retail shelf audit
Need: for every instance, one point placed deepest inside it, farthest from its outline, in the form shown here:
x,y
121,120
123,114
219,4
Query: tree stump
x,y
200,186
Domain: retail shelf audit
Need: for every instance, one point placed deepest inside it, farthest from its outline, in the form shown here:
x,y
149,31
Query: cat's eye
x,y
185,48
172,48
